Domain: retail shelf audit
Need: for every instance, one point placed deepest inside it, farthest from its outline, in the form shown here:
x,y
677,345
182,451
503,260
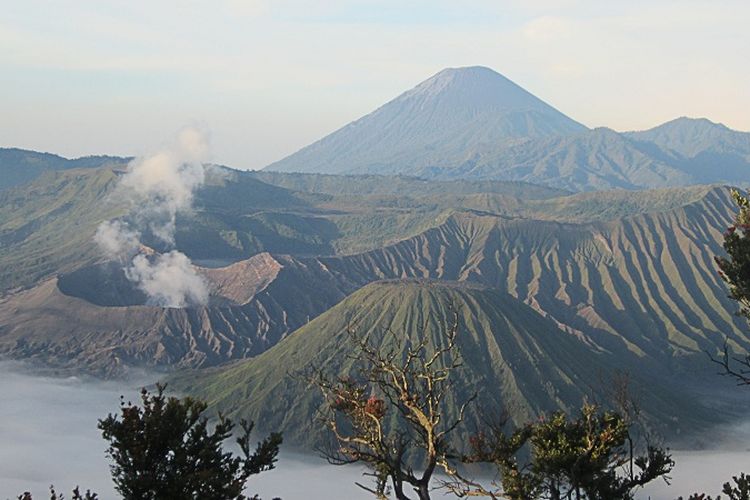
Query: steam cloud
x,y
169,279
156,187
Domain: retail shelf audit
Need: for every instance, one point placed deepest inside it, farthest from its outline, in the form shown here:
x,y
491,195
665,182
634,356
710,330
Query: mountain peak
x,y
686,122
472,87
687,125
461,75
694,137
438,124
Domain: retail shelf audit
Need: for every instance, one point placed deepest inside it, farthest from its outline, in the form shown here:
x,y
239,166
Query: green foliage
x,y
164,449
740,490
48,226
76,495
588,457
735,271
735,268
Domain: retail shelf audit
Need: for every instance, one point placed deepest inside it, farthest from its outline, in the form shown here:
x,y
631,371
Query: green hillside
x,y
631,272
401,185
47,226
515,358
19,166
642,284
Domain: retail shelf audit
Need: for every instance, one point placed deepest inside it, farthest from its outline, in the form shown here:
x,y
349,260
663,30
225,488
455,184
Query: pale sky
x,y
268,77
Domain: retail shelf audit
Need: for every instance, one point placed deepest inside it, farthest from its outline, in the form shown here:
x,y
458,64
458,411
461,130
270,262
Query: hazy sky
x,y
267,77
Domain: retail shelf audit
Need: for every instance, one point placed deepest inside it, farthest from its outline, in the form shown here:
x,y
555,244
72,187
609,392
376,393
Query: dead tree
x,y
392,414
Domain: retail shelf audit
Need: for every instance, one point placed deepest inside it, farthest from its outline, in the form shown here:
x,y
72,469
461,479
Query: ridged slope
x,y
83,322
643,284
512,356
689,137
634,275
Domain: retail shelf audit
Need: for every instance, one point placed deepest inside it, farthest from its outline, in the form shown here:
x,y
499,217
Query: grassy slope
x,y
643,284
20,166
47,226
399,185
514,357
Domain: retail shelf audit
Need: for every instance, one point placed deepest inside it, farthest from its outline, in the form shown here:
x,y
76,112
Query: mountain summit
x,y
441,123
473,123
473,91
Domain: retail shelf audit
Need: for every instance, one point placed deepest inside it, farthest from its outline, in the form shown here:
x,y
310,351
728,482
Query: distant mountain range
x,y
473,123
624,279
498,203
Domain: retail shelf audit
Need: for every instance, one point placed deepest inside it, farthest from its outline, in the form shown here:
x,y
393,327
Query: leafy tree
x,y
76,495
740,490
588,457
735,271
164,449
391,417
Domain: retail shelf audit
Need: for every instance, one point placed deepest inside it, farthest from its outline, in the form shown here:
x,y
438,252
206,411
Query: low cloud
x,y
49,436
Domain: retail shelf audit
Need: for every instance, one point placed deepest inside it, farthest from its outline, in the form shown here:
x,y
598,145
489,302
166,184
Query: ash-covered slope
x,y
94,320
514,357
642,285
443,122
633,273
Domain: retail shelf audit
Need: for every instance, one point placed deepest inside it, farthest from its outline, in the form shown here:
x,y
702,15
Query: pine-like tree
x,y
164,448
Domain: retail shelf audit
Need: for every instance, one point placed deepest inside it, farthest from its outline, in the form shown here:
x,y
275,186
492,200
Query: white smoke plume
x,y
169,279
117,239
157,187
162,184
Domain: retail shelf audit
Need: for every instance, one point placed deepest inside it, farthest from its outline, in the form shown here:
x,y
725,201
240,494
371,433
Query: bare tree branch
x,y
391,416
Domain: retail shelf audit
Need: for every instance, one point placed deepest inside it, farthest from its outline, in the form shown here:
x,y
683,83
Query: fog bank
x,y
48,436
48,432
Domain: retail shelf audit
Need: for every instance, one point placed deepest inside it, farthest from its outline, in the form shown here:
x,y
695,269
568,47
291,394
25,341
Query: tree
x,y
740,490
588,457
164,449
392,415
735,271
76,495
